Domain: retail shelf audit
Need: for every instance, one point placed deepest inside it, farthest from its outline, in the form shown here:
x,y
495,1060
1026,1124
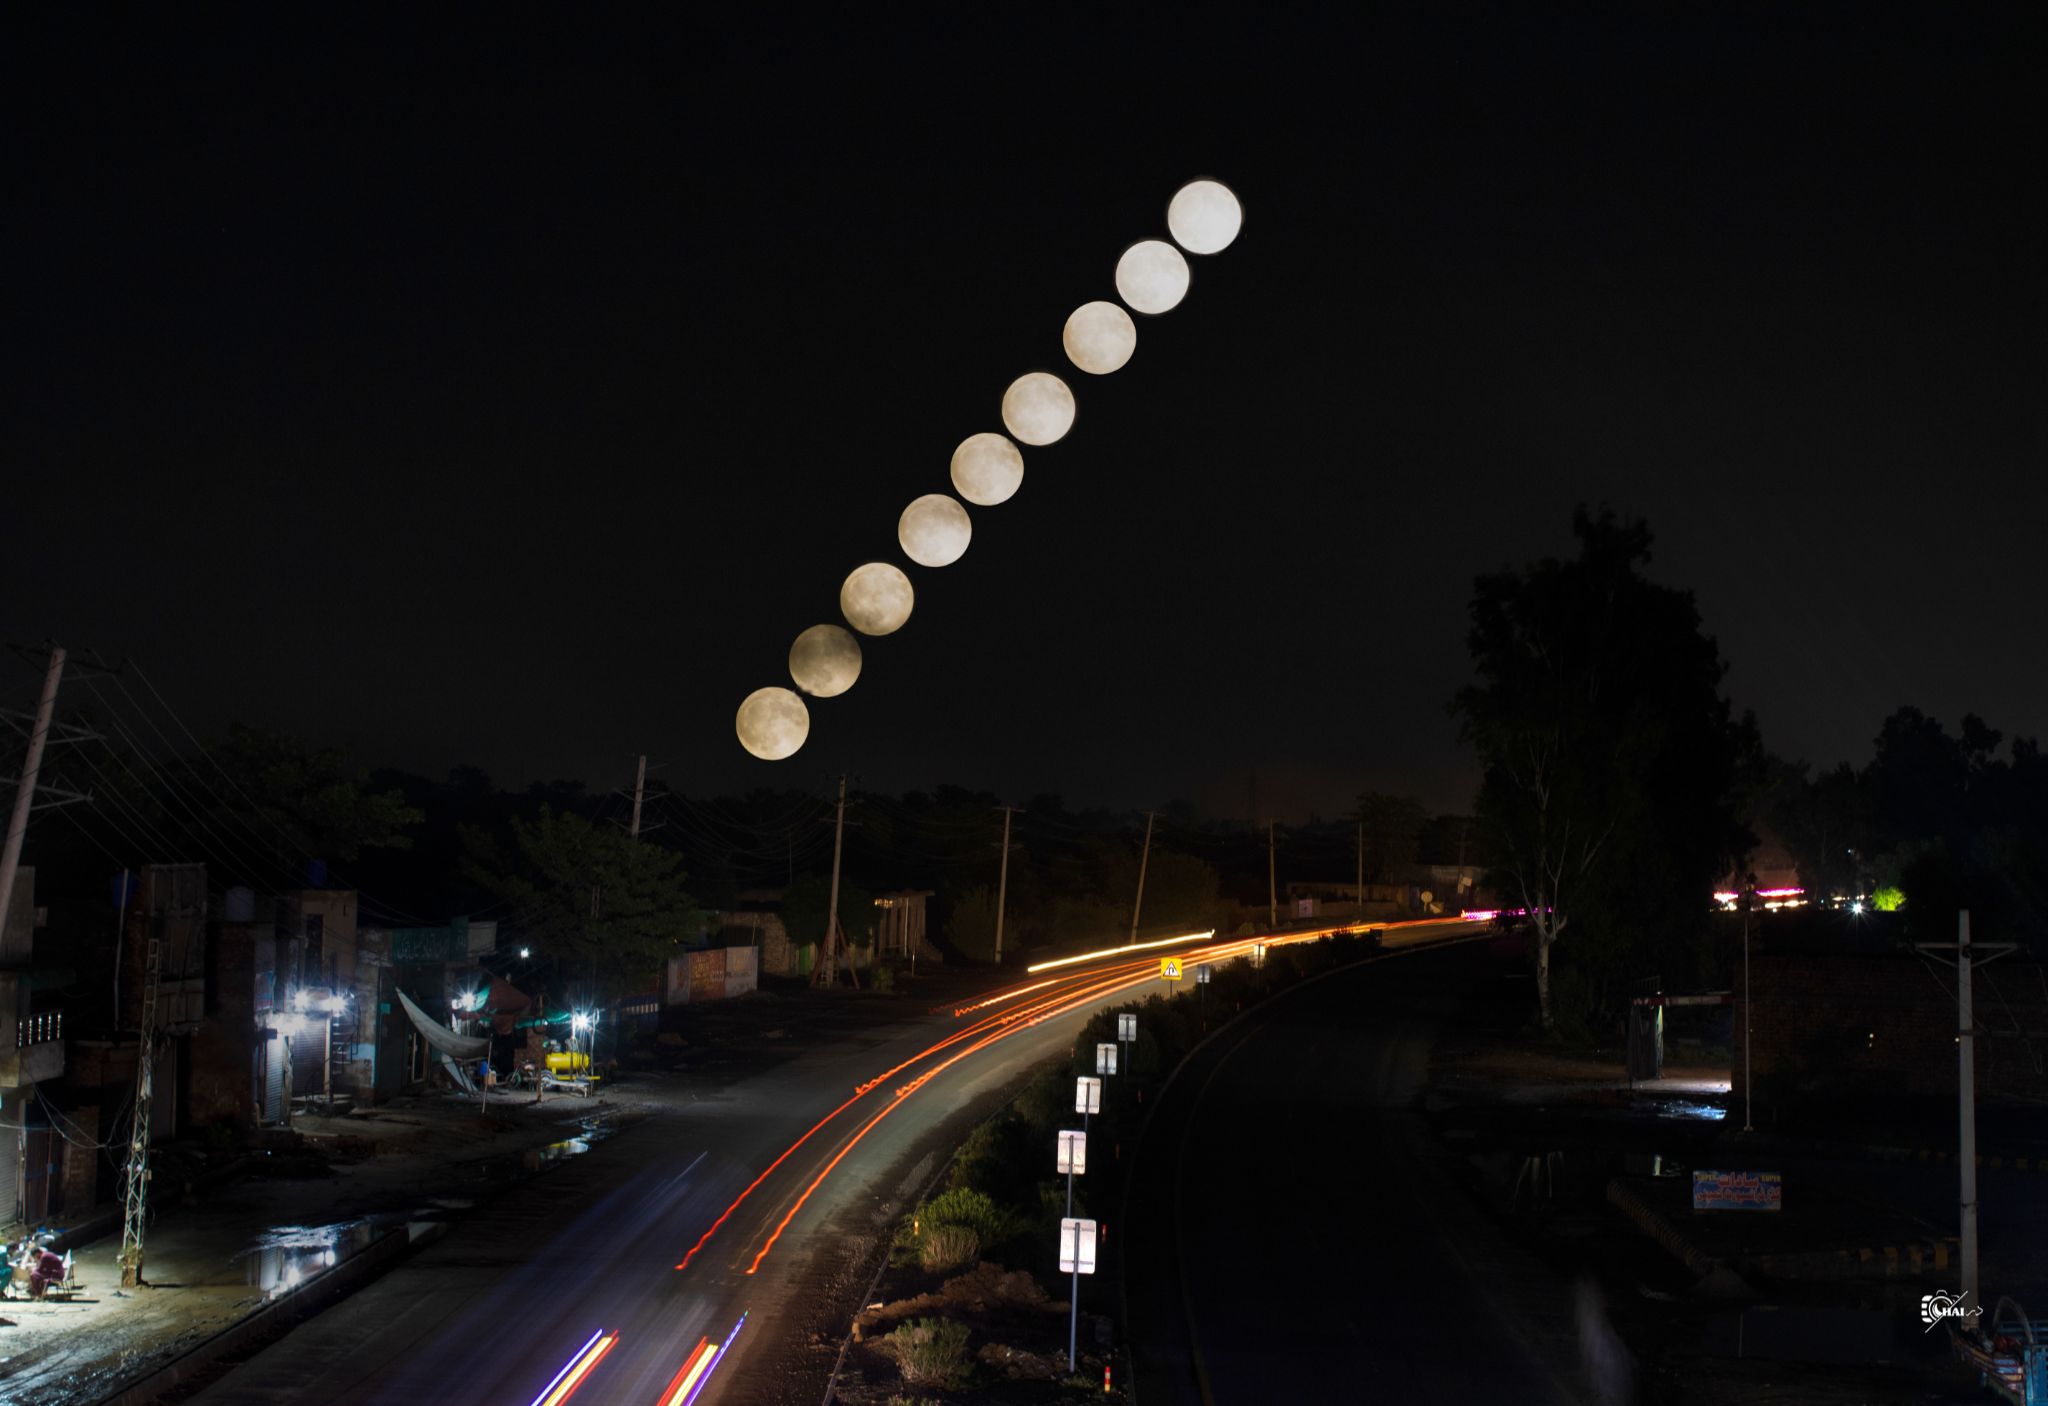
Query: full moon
x,y
934,530
773,723
987,469
1152,276
1100,337
824,661
876,598
1204,217
1038,408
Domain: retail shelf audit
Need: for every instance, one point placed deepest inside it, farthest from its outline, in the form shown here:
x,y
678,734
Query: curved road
x,y
713,1255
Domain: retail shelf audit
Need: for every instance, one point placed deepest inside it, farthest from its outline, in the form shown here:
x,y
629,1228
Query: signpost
x,y
1077,1257
1105,1059
1169,969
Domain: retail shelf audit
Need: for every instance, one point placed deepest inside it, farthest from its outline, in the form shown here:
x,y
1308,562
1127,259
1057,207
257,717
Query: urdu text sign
x,y
1738,1191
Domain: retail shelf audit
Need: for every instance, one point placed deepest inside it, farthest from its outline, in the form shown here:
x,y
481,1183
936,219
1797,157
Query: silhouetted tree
x,y
1611,762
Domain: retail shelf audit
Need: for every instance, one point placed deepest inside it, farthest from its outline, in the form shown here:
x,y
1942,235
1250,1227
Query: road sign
x,y
1126,1027
1738,1191
1169,969
1088,1094
1105,1059
1077,1246
1073,1153
1202,974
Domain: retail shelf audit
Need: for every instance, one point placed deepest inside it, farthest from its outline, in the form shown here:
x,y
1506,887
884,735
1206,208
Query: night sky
x,y
511,388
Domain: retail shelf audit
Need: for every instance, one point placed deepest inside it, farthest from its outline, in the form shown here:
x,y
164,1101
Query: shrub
x,y
932,1351
882,980
945,1247
971,1210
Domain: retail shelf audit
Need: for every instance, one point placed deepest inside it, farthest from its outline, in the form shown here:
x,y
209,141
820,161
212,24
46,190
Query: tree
x,y
590,895
1610,762
805,902
1393,831
318,796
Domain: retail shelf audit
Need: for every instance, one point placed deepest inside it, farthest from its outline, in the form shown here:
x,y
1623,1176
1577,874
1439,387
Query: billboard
x,y
1738,1191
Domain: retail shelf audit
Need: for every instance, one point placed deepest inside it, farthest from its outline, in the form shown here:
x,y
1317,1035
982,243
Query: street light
x,y
581,1023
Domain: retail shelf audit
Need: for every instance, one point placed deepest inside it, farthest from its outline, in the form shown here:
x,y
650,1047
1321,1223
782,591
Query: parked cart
x,y
2010,1353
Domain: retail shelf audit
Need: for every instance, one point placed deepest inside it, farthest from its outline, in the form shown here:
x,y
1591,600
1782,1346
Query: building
x,y
31,1053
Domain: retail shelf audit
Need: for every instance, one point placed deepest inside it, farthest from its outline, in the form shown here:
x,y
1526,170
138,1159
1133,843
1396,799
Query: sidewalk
x,y
235,1243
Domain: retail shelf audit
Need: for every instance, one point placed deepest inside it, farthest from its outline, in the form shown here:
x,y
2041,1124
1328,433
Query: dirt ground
x,y
221,1253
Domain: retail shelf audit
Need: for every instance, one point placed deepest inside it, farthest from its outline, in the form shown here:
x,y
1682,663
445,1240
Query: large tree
x,y
607,907
1610,762
317,799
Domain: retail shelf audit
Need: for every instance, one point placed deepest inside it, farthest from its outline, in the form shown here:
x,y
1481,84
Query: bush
x,y
882,980
969,1209
945,1247
932,1351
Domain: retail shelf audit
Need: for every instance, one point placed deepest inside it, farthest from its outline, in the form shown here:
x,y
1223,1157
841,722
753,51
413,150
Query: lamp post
x,y
585,1024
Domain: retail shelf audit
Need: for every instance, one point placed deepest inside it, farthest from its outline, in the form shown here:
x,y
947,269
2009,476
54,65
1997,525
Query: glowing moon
x,y
773,723
824,661
934,530
1204,217
1152,276
1100,337
876,598
987,469
1038,408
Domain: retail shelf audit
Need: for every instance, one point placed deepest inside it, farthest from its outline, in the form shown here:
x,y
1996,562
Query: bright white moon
x,y
824,661
1038,408
987,469
773,723
934,530
1204,217
1100,337
1152,276
876,598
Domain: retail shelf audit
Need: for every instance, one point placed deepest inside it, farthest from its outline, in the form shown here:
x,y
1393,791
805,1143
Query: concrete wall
x,y
1888,1025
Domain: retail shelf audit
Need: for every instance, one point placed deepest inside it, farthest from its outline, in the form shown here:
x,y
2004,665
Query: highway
x,y
710,1256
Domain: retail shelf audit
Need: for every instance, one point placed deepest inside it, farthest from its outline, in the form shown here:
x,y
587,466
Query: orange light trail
x,y
1079,989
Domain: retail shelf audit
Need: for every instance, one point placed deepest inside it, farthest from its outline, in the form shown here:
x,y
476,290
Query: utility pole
x,y
1272,889
827,973
1144,856
1361,871
135,1177
1966,1082
25,793
639,789
1748,1016
1002,883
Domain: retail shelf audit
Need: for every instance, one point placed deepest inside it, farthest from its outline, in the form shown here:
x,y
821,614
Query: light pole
x,y
585,1024
1748,1018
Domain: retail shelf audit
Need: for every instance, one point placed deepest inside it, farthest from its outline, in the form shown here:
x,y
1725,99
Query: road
x,y
1303,1240
713,1255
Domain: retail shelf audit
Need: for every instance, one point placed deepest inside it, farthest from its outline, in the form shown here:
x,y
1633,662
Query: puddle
x,y
286,1257
1681,1108
534,1158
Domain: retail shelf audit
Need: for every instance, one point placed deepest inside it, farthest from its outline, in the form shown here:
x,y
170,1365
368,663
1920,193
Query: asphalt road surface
x,y
713,1255
1293,1237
